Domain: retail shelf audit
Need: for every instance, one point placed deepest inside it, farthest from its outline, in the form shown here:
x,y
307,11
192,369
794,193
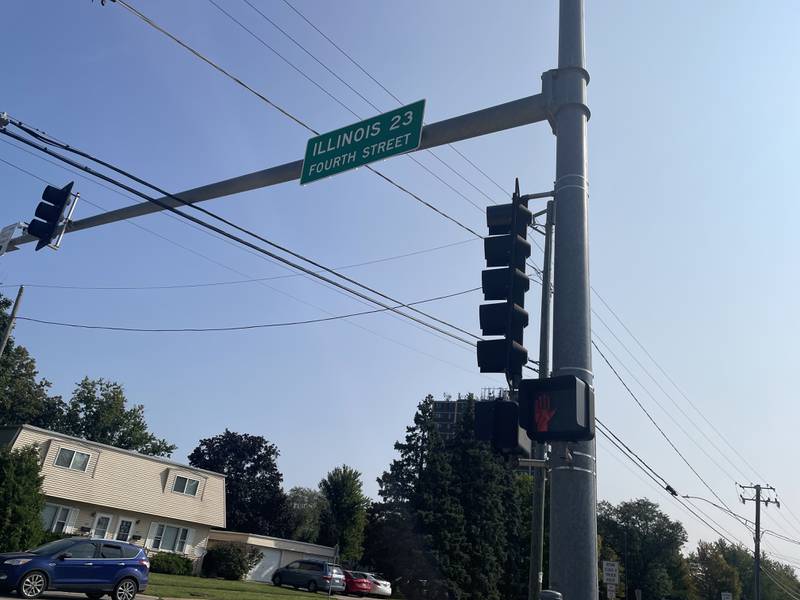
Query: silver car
x,y
380,587
311,574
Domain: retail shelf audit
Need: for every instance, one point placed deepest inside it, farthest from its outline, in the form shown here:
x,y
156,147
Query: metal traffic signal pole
x,y
573,486
538,450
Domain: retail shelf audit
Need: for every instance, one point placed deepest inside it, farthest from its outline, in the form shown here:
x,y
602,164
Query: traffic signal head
x,y
497,422
506,250
557,409
49,213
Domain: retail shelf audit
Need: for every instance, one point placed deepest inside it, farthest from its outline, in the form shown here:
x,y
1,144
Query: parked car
x,y
380,587
356,582
95,567
310,574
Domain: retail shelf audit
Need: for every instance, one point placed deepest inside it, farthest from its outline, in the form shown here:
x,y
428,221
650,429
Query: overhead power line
x,y
237,327
219,218
347,107
239,239
283,111
383,87
353,323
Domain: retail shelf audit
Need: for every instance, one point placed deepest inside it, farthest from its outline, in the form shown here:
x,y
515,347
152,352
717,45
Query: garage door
x,y
270,561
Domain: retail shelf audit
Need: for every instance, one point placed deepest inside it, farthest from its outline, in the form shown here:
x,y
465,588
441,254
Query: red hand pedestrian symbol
x,y
543,412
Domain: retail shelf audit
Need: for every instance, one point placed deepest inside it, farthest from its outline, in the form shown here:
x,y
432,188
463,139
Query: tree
x,y
484,486
24,397
653,559
711,573
21,499
255,500
305,508
97,412
415,535
345,513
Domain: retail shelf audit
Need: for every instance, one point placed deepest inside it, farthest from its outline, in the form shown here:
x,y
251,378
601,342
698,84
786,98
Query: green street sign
x,y
376,138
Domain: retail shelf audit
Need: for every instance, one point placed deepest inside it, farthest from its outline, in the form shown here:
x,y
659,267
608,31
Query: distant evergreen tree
x,y
484,485
344,514
21,499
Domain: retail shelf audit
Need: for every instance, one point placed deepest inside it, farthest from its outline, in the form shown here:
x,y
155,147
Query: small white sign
x,y
6,233
611,572
726,596
611,590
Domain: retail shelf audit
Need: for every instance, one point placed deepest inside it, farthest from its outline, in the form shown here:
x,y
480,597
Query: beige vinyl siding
x,y
126,483
84,517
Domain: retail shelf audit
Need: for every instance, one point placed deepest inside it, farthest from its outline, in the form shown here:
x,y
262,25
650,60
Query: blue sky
x,y
692,149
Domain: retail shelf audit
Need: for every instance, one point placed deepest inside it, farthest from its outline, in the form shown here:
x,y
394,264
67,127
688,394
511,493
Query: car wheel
x,y
312,586
276,580
125,589
94,595
32,585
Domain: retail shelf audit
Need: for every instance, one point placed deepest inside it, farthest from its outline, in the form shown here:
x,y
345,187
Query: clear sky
x,y
692,145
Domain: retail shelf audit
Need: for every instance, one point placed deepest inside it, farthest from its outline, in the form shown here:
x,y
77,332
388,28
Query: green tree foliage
x,y
254,497
454,521
24,397
711,573
305,508
776,577
344,515
21,499
653,541
97,411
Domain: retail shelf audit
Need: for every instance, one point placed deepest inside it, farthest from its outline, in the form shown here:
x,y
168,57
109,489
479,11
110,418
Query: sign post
x,y
376,138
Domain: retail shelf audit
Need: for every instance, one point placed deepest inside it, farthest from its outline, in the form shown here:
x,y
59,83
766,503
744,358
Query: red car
x,y
357,583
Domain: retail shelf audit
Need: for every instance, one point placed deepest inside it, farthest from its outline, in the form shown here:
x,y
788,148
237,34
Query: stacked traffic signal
x,y
50,212
506,250
497,422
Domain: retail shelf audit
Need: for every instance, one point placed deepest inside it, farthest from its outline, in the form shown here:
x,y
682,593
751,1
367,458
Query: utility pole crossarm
x,y
516,113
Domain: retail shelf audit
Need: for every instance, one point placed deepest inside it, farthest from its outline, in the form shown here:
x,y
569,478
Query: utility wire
x,y
656,425
216,216
228,267
669,415
295,119
383,87
674,384
239,327
239,239
351,88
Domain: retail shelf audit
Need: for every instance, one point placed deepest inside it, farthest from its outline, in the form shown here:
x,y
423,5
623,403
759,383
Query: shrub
x,y
170,564
229,561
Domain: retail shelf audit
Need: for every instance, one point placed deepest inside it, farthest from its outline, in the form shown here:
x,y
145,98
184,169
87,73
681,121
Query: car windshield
x,y
335,570
52,547
355,575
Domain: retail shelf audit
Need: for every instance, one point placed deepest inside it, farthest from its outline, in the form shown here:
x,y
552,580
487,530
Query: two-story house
x,y
99,490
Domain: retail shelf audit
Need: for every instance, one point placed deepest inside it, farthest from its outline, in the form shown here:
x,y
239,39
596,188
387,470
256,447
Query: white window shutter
x,y
189,538
148,543
73,516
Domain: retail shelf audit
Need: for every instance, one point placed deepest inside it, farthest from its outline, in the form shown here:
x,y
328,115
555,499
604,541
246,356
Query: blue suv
x,y
95,567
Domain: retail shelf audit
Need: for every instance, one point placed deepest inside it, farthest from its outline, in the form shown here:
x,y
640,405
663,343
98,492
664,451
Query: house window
x,y
184,485
55,518
72,459
170,538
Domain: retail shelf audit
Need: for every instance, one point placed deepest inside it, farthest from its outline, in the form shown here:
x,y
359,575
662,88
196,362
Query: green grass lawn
x,y
177,586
